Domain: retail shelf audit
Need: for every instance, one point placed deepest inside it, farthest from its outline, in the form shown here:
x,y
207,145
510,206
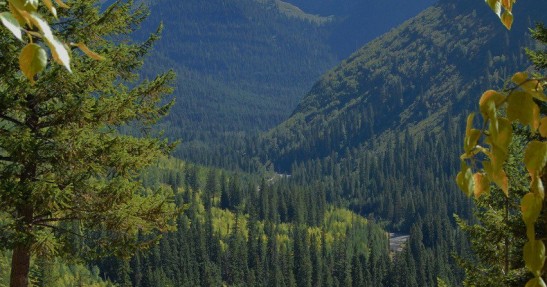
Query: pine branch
x,y
56,219
12,120
62,230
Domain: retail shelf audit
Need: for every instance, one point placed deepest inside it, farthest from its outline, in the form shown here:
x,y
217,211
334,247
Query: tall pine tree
x,y
62,160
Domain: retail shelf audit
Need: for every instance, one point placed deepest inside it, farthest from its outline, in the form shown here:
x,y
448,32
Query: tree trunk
x,y
20,265
20,261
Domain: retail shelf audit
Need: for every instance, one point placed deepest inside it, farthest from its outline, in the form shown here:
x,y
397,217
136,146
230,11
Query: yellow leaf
x,y
495,5
498,176
488,97
531,86
59,53
535,156
534,256
469,125
88,52
536,282
464,179
543,127
504,134
537,186
519,78
58,50
507,4
32,60
25,5
499,141
530,206
482,184
42,25
470,141
471,137
507,19
521,107
50,7
22,19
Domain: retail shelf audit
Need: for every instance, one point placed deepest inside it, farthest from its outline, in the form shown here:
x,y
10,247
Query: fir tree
x,y
61,156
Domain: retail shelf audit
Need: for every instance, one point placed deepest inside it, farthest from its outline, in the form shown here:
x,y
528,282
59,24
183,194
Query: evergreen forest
x,y
273,143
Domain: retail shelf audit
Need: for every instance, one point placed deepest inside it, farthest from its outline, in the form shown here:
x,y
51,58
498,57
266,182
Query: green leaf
x,y
11,23
521,107
535,156
32,60
534,256
530,206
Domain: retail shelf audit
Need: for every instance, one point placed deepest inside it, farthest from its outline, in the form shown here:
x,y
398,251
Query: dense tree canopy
x,y
67,176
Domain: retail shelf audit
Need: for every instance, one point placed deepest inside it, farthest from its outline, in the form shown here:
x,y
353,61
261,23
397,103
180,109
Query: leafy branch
x,y
23,17
496,134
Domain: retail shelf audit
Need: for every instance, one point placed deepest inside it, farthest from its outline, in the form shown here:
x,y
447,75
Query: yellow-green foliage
x,y
337,221
224,222
336,224
55,273
5,264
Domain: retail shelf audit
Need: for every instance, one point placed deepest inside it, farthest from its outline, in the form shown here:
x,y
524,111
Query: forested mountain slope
x,y
435,64
243,65
381,133
356,22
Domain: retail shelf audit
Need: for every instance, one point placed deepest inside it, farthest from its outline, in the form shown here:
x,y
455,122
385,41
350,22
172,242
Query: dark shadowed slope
x,y
436,63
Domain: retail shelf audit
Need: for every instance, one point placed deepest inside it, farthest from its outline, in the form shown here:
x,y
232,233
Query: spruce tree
x,y
539,57
62,160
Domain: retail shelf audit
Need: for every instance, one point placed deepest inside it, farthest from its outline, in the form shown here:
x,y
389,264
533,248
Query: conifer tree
x,y
62,160
303,265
